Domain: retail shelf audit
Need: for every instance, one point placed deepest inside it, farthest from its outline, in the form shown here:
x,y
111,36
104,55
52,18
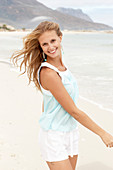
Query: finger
x,y
110,145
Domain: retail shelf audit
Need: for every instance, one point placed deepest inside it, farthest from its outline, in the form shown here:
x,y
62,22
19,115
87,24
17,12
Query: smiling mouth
x,y
53,51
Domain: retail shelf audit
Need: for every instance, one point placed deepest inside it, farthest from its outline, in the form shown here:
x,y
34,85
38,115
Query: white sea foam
x,y
5,61
103,78
97,104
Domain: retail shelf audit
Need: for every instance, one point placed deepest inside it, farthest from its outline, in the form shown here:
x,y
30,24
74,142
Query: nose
x,y
50,46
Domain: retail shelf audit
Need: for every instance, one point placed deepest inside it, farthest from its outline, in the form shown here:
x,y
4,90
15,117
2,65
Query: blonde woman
x,y
58,136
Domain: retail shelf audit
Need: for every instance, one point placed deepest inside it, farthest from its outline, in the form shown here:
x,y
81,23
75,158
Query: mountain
x,y
29,13
75,12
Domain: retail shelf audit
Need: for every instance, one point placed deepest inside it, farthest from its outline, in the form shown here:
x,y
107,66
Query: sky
x,y
100,11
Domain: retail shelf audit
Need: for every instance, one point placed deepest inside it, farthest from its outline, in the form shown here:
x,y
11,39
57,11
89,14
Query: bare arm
x,y
52,82
43,106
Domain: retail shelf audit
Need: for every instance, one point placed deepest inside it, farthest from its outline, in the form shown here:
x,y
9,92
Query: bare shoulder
x,y
46,70
47,74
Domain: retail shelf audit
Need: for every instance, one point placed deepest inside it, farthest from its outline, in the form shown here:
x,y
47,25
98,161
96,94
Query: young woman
x,y
58,137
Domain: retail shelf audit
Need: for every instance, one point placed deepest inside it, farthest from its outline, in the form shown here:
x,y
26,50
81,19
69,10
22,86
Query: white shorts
x,y
57,145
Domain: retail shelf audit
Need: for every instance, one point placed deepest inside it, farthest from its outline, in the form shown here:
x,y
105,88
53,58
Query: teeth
x,y
52,51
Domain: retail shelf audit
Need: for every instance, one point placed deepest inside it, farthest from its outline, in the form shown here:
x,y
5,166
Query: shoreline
x,y
15,69
96,104
63,31
88,31
12,68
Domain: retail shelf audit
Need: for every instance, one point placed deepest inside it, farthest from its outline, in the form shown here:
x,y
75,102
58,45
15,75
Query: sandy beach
x,y
20,109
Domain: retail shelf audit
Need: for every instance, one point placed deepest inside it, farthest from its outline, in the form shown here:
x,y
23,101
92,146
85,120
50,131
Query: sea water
x,y
89,56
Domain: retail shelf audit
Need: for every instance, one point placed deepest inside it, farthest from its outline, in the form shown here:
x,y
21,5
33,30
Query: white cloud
x,y
75,3
39,18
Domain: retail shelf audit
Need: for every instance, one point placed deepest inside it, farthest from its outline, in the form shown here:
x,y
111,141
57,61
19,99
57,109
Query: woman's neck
x,y
57,62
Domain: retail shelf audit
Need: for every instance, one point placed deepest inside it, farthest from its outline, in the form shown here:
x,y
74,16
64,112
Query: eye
x,y
53,40
44,44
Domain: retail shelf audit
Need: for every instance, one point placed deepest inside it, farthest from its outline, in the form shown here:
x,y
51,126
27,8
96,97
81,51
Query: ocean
x,y
89,56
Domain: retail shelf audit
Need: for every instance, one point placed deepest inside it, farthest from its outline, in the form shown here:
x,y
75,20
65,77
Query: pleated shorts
x,y
57,145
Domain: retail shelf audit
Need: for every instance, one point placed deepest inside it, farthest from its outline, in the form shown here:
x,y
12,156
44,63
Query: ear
x,y
60,38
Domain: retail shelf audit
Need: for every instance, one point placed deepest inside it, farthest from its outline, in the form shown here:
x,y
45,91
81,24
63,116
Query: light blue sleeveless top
x,y
55,117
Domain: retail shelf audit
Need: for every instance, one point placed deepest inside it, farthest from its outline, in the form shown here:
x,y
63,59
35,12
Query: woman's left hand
x,y
107,139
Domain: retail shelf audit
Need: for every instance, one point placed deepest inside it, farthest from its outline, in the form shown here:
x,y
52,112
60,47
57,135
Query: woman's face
x,y
50,43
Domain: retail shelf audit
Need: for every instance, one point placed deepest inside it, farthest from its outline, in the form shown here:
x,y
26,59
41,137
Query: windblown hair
x,y
32,54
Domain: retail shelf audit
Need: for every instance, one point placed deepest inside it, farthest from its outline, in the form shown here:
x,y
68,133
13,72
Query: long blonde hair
x,y
32,54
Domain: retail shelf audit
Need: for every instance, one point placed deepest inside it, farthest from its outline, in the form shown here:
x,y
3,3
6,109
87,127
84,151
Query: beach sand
x,y
20,109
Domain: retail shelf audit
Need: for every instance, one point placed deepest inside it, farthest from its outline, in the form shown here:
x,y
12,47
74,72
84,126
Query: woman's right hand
x,y
107,139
